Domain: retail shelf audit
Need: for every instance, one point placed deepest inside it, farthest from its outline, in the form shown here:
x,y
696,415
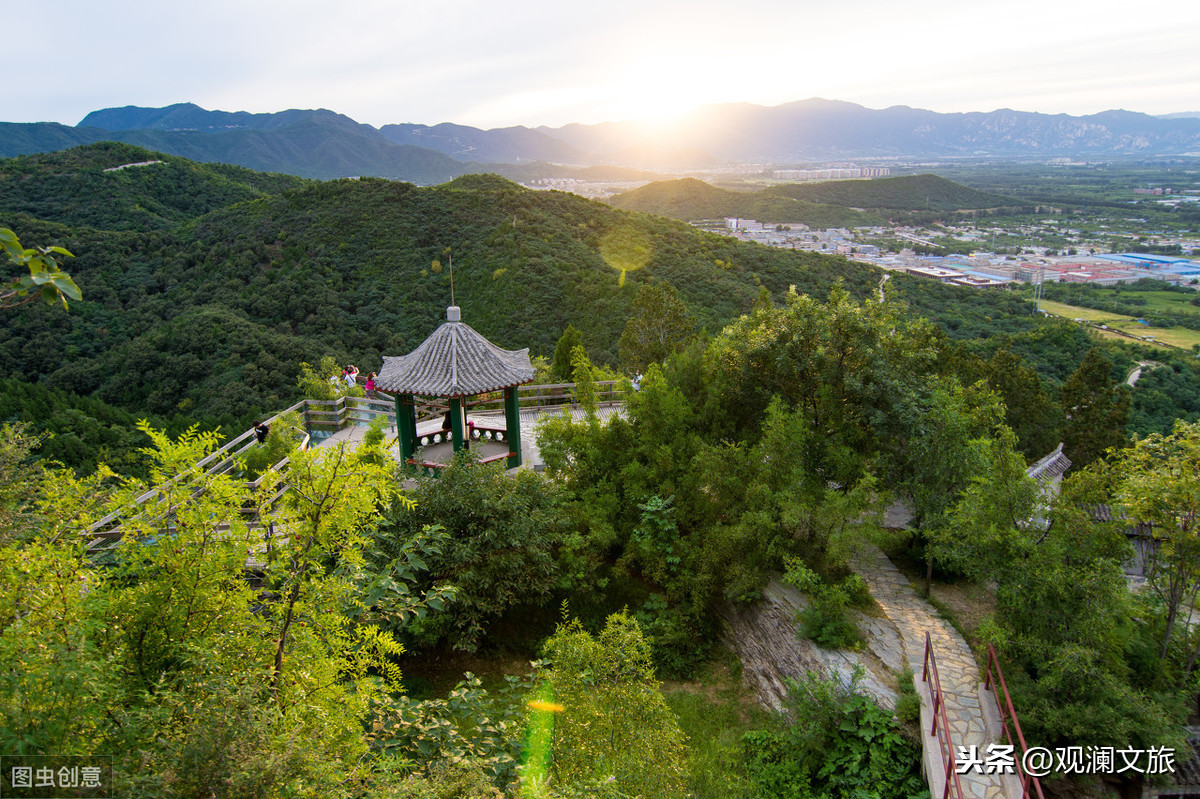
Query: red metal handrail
x,y
1008,712
945,742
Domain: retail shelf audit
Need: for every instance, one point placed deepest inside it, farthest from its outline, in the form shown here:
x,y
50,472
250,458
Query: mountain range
x,y
323,144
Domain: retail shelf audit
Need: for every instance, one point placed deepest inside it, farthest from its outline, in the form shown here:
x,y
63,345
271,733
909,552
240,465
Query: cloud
x,y
532,62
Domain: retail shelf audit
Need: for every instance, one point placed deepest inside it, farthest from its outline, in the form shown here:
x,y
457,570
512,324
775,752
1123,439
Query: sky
x,y
534,62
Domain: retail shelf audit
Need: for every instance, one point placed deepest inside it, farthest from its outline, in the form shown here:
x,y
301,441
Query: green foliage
x,y
80,432
45,279
286,432
660,326
1157,483
989,525
450,779
690,199
20,482
677,644
322,381
1097,410
221,311
1075,642
470,726
614,722
82,187
1030,410
826,621
838,744
847,366
585,383
908,701
196,681
938,457
1165,394
502,534
561,367
908,192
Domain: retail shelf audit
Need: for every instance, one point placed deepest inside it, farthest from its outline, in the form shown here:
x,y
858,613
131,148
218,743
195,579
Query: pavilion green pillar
x,y
456,422
406,426
512,426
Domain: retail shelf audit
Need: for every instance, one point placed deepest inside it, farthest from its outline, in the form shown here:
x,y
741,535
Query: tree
x,y
171,656
1028,409
20,481
1097,410
615,722
937,458
562,365
1074,648
660,325
848,367
1157,483
500,535
46,278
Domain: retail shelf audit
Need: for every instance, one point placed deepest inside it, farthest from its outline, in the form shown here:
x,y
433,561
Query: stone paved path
x,y
959,674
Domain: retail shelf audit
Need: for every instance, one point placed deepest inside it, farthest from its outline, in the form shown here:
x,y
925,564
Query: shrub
x,y
839,743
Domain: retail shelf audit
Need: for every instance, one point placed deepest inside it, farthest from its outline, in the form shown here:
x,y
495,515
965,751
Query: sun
x,y
656,90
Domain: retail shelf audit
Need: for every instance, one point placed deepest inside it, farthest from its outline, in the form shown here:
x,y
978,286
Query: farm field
x,y
1170,336
1172,301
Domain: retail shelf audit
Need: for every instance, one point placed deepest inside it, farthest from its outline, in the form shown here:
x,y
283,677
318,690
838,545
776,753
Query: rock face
x,y
763,636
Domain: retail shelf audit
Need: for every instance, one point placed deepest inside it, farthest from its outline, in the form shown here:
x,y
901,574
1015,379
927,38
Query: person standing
x,y
370,386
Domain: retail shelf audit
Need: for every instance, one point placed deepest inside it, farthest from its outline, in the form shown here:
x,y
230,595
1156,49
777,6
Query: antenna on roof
x,y
450,260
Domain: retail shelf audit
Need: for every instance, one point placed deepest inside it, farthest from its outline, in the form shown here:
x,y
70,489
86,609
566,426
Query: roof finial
x,y
450,259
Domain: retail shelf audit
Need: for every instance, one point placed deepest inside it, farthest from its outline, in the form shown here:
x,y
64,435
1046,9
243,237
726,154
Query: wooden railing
x,y
941,727
104,534
1030,785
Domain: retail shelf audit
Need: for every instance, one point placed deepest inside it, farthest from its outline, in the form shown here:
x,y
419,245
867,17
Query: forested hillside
x,y
116,186
205,287
214,314
690,199
910,193
838,203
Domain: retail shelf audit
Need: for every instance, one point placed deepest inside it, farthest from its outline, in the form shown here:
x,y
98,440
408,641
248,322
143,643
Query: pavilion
x,y
456,363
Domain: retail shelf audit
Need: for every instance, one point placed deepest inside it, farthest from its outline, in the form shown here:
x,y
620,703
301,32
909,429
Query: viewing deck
x,y
347,419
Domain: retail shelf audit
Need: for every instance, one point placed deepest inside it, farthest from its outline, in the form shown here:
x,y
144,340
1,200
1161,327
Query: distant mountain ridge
x,y
323,144
500,145
189,116
826,129
313,144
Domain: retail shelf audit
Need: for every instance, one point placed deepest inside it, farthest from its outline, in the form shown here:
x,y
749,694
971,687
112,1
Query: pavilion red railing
x,y
941,726
1031,786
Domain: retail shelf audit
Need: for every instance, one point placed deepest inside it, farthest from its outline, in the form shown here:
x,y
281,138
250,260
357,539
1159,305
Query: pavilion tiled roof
x,y
1050,467
455,361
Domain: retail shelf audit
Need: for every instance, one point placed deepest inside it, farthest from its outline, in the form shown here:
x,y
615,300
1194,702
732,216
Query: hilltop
x,y
689,199
906,193
824,205
121,187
